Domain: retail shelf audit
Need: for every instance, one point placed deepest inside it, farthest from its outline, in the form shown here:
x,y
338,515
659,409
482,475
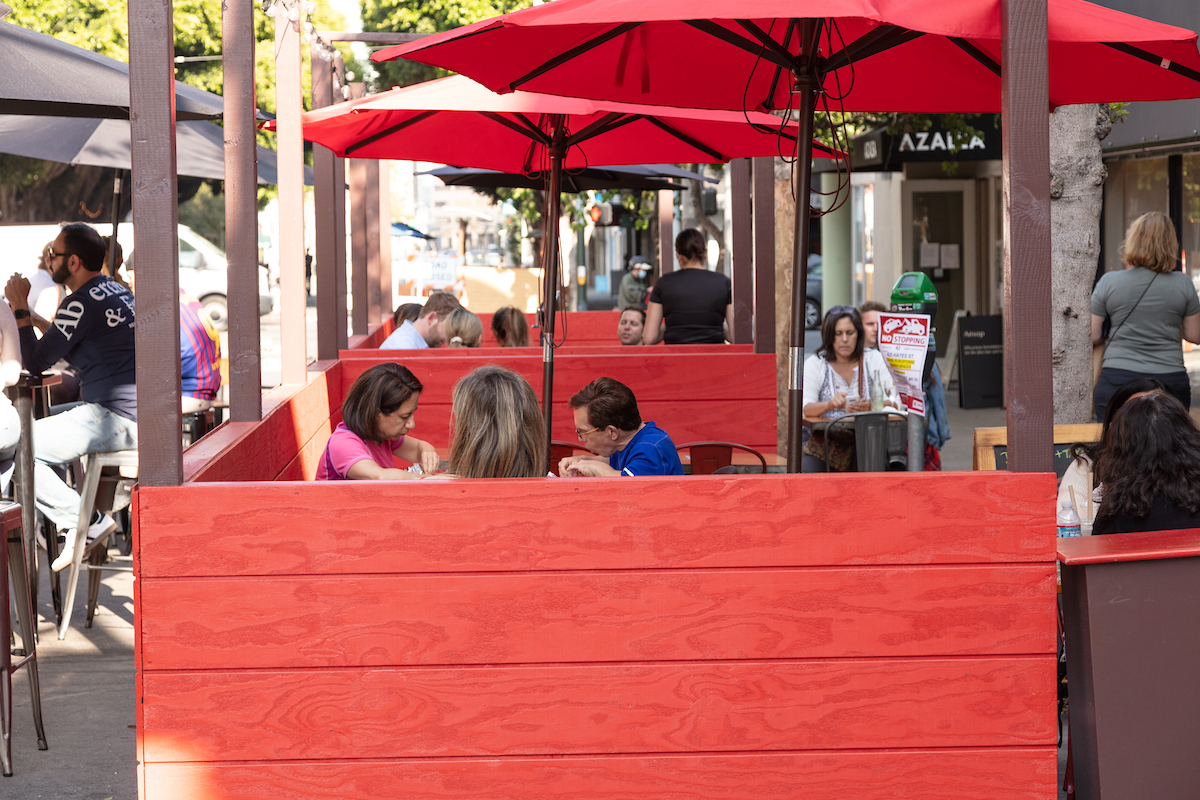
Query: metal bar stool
x,y
14,557
96,462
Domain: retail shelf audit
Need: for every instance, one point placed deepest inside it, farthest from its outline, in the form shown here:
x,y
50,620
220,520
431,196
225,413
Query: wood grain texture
x,y
515,618
1015,773
541,524
605,708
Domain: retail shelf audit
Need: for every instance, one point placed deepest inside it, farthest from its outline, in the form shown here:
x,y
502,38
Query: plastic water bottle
x,y
1068,520
876,393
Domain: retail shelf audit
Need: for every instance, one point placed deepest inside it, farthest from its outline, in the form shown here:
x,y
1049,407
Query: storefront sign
x,y
881,151
904,342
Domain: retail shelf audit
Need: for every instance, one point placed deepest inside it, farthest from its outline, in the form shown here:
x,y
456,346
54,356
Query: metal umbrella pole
x,y
558,152
116,220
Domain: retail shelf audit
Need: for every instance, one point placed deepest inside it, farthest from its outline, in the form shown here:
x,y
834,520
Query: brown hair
x,y
872,305
691,244
380,390
608,402
463,326
510,327
441,302
406,312
1151,243
497,426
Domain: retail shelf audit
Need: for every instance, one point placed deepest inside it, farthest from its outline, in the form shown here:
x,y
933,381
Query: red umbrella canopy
x,y
456,121
927,56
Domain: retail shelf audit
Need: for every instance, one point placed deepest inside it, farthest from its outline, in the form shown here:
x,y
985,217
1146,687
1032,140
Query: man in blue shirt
x,y
427,330
93,331
608,423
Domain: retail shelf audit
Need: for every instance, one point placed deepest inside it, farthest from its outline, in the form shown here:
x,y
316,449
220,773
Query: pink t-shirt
x,y
345,449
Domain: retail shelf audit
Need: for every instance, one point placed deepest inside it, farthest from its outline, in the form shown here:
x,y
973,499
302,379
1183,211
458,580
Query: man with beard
x,y
93,331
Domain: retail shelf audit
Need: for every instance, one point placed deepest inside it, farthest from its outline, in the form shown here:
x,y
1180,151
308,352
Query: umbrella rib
x,y
386,132
524,127
787,42
878,41
1148,57
681,136
563,58
977,54
729,37
610,123
772,45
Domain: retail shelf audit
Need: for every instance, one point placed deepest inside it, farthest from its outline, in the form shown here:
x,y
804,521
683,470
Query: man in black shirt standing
x,y
93,331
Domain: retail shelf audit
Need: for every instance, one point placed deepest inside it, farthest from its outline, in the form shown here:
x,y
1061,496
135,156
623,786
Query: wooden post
x,y
666,232
244,349
325,219
290,143
152,121
356,169
371,210
387,300
1025,104
743,252
339,275
764,255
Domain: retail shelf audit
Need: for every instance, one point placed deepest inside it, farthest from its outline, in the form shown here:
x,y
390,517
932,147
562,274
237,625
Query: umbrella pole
x,y
806,88
116,220
550,274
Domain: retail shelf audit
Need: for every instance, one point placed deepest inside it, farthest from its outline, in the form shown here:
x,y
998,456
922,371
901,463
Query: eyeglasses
x,y
52,255
582,434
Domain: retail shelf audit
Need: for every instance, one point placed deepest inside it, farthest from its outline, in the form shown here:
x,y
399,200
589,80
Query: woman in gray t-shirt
x,y
1151,307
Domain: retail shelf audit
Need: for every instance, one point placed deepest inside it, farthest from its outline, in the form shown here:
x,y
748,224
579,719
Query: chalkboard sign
x,y
1063,456
981,362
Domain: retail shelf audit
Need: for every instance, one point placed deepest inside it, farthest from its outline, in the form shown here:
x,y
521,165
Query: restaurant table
x,y
1131,608
31,397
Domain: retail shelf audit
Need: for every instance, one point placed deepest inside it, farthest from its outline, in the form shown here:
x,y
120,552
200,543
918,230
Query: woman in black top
x,y
1150,468
695,304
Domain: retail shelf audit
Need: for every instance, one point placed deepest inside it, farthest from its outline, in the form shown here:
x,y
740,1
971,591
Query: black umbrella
x,y
639,176
42,75
200,146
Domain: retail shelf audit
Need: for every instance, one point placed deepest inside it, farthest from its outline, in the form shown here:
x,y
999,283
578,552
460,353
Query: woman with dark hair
x,y
695,305
510,327
377,415
1150,308
838,380
1150,468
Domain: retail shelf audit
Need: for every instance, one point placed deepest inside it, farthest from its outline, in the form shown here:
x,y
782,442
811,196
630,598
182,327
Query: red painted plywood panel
x,y
607,708
1025,773
553,524
497,618
490,349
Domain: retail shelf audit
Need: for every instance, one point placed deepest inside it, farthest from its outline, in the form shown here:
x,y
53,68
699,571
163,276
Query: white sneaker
x,y
99,528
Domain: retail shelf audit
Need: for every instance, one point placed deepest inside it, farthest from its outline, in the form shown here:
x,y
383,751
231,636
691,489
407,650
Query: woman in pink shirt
x,y
377,415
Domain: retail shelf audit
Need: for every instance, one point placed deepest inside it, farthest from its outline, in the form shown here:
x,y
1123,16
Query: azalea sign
x,y
903,342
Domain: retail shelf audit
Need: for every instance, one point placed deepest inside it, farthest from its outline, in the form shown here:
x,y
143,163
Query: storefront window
x,y
1191,213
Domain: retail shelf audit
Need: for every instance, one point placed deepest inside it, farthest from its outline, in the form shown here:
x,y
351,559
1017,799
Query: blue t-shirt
x,y
649,452
93,331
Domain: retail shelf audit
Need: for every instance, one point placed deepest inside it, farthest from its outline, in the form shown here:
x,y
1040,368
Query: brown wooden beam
x,y
325,219
241,213
1025,104
764,255
374,270
387,298
152,129
290,146
356,171
339,275
370,38
743,252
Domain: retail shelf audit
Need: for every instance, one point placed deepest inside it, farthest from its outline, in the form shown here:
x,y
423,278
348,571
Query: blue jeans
x,y
73,430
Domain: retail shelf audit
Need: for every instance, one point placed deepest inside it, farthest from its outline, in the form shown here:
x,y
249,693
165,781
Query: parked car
x,y
812,299
202,265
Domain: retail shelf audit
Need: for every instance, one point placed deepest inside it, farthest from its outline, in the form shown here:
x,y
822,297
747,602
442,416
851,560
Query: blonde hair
x,y
497,426
1151,243
463,329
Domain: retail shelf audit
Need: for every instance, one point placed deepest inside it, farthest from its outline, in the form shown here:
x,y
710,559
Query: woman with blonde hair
x,y
1149,307
510,327
463,329
497,426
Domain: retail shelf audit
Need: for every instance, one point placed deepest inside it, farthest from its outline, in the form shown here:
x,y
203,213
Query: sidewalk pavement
x,y
87,702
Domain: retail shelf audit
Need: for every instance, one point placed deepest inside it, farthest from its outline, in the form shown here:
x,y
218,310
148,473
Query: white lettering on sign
x,y
870,149
925,143
938,142
67,318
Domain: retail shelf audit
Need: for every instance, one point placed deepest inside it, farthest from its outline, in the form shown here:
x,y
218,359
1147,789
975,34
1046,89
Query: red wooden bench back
x,y
819,636
582,328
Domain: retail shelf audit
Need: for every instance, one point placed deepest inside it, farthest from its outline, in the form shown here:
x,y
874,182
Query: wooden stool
x,y
96,462
14,557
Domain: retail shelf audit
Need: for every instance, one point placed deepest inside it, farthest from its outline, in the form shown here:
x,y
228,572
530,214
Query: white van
x,y
202,266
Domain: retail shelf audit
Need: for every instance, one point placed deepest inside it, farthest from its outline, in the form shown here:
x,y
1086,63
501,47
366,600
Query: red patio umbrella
x,y
930,56
455,120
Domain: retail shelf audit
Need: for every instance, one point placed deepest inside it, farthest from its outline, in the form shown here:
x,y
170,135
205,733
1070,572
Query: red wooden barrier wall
x,y
833,636
581,328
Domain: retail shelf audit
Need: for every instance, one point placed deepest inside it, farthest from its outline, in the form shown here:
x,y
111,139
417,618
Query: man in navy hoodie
x,y
93,331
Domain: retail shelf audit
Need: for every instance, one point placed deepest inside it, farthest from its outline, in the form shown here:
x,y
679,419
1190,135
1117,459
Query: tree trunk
x,y
706,223
1077,176
785,210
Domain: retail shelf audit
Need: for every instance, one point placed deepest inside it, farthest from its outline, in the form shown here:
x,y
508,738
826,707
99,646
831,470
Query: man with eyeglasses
x,y
93,331
608,423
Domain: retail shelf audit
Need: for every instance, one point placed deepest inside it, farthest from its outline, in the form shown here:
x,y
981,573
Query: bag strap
x,y
1113,333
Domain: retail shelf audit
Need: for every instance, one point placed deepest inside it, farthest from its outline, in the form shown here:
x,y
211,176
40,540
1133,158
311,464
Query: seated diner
x,y
463,329
510,327
498,430
630,326
428,330
608,423
377,414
